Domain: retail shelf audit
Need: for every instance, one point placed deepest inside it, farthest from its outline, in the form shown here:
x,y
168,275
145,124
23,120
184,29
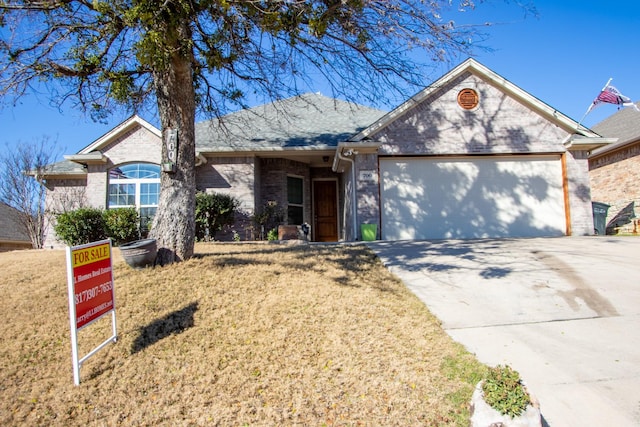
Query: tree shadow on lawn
x,y
172,323
352,258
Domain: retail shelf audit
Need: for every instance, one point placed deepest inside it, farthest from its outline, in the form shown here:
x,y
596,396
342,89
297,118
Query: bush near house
x,y
213,212
80,226
121,224
86,225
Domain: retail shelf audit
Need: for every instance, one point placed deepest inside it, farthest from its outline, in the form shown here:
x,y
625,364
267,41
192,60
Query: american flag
x,y
611,95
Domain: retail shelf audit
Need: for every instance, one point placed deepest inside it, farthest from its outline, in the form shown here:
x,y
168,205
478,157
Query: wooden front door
x,y
325,206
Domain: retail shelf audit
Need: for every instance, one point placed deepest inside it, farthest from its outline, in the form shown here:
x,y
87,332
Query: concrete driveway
x,y
564,312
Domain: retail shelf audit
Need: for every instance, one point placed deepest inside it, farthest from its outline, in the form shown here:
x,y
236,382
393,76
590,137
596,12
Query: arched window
x,y
135,185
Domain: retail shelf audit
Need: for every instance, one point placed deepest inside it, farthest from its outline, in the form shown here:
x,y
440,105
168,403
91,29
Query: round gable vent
x,y
468,99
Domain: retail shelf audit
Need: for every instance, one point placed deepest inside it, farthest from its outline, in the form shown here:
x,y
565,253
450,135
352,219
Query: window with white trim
x,y
135,185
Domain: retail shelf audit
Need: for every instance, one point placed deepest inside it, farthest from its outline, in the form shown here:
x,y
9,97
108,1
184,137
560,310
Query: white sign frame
x,y
89,252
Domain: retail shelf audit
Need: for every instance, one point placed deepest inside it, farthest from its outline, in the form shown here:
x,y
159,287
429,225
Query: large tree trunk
x,y
174,223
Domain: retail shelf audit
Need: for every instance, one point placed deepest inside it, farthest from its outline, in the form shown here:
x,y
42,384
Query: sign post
x,y
91,294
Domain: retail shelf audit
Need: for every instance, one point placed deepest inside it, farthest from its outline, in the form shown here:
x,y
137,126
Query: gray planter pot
x,y
140,253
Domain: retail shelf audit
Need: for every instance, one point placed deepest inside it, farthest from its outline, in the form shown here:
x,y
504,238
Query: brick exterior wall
x,y
273,183
614,181
63,195
137,145
229,175
579,193
234,176
499,125
368,192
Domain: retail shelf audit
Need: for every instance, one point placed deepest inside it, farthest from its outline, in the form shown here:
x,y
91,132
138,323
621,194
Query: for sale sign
x,y
91,292
93,282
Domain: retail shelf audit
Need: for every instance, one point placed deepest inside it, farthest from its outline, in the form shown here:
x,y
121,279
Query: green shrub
x,y
213,212
84,225
272,234
503,391
121,224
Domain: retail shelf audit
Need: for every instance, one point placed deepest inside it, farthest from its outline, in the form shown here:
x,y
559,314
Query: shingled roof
x,y
624,125
11,229
302,123
305,122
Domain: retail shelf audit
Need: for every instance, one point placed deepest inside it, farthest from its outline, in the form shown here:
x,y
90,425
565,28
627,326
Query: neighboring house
x,y
615,170
470,156
13,234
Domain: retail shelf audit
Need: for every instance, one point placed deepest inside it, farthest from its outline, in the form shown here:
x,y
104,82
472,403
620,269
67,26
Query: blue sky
x,y
563,57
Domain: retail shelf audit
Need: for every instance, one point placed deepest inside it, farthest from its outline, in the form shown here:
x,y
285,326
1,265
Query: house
x,y
615,170
13,234
470,156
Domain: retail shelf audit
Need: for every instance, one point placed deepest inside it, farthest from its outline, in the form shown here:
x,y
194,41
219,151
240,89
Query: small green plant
x,y
272,234
84,225
503,391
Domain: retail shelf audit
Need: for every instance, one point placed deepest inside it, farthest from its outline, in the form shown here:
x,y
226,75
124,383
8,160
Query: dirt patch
x,y
242,334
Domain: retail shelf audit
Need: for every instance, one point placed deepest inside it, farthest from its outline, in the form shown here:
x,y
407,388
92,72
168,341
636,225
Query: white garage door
x,y
472,197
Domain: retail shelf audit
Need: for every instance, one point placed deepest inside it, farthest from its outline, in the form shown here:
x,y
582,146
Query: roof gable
x,y
485,74
305,122
116,132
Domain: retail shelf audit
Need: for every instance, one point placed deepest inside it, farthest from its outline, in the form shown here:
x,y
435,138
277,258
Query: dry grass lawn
x,y
240,335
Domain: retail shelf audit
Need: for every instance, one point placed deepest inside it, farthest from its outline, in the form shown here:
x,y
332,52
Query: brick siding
x,y
273,183
499,125
615,180
63,195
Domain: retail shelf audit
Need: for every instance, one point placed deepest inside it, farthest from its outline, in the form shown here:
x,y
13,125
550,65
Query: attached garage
x,y
471,156
472,197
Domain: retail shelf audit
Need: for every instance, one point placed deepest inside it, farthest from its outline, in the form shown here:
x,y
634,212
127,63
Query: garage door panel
x,y
435,198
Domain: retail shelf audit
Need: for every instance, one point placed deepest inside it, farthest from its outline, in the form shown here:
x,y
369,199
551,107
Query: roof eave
x,y
257,151
92,158
582,143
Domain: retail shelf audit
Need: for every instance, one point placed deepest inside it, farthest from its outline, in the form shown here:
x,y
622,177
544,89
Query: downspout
x,y
354,199
200,159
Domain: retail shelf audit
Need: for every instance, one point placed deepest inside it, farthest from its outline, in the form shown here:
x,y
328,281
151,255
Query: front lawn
x,y
242,334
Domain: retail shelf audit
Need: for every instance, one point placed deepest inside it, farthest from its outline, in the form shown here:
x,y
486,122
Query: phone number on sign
x,y
88,294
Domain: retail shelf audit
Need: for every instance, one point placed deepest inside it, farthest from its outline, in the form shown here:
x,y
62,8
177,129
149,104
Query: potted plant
x,y
502,400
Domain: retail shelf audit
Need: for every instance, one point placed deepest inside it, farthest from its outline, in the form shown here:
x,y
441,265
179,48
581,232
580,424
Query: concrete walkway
x,y
564,312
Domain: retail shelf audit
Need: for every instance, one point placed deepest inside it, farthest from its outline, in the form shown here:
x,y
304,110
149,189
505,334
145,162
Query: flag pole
x,y
591,106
